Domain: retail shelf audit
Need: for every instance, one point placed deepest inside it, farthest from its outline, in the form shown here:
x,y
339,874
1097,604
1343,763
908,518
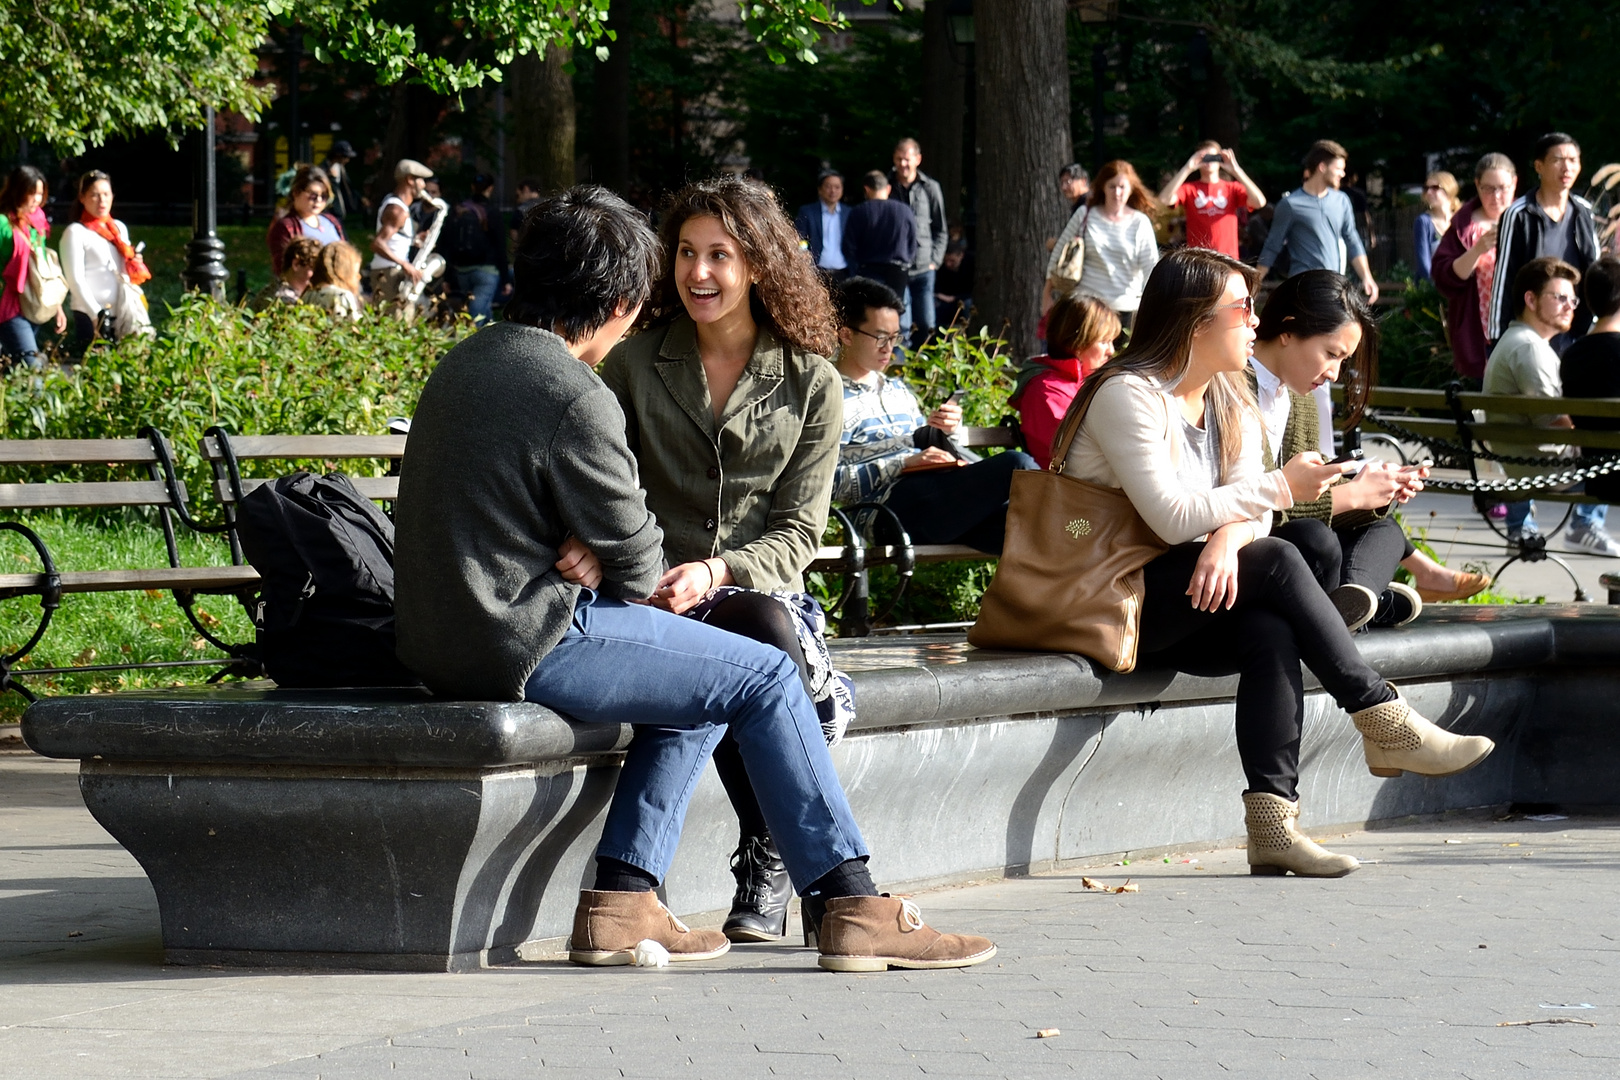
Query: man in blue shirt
x,y
821,224
1317,224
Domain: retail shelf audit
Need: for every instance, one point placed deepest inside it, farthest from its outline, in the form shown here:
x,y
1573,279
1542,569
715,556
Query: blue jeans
x,y
479,283
919,298
685,683
1586,516
18,342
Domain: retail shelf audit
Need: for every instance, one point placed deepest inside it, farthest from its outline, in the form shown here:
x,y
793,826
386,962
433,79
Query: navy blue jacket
x,y
809,225
880,231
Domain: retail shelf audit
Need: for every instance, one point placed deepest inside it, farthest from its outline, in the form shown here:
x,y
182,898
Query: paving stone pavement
x,y
1407,968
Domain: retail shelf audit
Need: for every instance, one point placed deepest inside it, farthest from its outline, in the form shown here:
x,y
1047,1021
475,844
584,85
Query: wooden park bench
x,y
890,546
161,490
1444,422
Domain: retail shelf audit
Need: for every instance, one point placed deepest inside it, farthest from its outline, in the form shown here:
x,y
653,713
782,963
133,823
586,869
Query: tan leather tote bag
x,y
1070,576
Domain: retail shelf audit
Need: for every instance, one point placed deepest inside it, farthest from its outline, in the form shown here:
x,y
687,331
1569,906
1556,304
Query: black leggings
x,y
965,505
759,617
1368,555
1282,616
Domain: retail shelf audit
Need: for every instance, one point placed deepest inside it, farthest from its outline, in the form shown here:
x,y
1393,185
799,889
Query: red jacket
x,y
1044,401
1463,325
284,230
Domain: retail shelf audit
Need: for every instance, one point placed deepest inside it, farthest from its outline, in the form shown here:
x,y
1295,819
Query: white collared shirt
x,y
1272,397
832,240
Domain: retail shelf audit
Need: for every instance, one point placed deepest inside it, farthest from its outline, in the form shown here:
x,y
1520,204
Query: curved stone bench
x,y
385,829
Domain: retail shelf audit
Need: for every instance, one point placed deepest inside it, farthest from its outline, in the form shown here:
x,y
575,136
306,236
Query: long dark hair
x,y
1320,302
22,182
1180,297
790,299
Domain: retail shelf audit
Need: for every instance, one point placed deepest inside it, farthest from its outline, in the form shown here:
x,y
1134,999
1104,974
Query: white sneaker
x,y
1517,536
1595,540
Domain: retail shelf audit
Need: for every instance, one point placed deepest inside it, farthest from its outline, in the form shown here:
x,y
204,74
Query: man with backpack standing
x,y
477,249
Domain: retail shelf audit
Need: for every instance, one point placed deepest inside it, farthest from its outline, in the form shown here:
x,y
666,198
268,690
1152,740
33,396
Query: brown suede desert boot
x,y
609,925
875,933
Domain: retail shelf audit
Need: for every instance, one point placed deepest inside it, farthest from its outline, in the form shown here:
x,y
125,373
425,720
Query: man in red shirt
x,y
1210,203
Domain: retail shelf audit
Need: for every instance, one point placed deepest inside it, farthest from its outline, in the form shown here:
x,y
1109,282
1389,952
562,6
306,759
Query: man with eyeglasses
x,y
1548,221
1524,363
891,453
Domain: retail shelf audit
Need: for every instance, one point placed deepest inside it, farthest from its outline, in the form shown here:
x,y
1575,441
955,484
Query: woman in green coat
x,y
734,417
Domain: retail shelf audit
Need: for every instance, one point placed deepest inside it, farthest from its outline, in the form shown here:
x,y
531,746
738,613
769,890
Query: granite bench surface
x,y
900,682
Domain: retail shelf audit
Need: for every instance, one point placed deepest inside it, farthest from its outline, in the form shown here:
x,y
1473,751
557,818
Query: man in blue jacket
x,y
821,224
880,237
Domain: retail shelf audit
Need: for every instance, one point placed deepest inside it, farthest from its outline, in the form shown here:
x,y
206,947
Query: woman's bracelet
x,y
713,581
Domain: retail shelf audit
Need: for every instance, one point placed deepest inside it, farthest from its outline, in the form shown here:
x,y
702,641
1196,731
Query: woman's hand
x,y
1378,485
933,455
683,587
578,564
1308,475
1486,241
61,320
947,418
1214,580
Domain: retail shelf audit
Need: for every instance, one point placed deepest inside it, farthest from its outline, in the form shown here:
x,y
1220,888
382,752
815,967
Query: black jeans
x,y
965,505
758,617
1368,555
1281,617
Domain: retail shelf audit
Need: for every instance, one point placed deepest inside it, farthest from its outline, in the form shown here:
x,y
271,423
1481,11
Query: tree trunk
x,y
413,118
1220,108
542,105
1023,100
944,107
611,159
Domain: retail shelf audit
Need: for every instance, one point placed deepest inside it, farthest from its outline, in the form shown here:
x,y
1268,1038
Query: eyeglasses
x,y
315,194
884,341
1560,299
1247,304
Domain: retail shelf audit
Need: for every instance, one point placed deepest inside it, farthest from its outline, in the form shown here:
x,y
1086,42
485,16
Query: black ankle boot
x,y
760,907
812,909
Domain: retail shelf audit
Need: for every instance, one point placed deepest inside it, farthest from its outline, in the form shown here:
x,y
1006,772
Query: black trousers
x,y
1281,617
966,505
1367,556
761,618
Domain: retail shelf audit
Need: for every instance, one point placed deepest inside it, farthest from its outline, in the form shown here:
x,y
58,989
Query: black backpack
x,y
326,606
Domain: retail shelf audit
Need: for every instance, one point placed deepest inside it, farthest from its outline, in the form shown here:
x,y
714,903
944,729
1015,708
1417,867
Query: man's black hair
x,y
482,181
874,181
1074,172
581,255
827,174
857,294
530,182
1601,286
1545,144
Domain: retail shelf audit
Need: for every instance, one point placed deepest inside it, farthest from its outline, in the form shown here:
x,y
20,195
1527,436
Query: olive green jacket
x,y
1302,433
753,488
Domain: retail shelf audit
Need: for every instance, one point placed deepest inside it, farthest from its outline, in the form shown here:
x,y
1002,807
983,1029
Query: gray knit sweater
x,y
515,446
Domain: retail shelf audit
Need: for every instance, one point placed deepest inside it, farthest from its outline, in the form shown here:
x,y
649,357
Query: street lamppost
x,y
205,254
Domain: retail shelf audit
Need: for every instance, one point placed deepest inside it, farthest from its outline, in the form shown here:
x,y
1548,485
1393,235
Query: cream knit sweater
x,y
1129,440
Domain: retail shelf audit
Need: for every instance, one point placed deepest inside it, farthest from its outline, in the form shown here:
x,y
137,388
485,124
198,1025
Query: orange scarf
x,y
133,264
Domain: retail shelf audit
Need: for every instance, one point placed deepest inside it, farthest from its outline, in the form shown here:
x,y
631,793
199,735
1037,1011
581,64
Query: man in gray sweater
x,y
524,556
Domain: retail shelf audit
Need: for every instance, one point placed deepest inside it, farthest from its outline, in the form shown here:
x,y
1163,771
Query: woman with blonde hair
x,y
1170,420
1080,333
1440,202
335,285
1116,224
734,417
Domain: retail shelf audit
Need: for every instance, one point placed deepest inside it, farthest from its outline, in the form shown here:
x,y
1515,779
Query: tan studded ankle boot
x,y
1277,847
1396,739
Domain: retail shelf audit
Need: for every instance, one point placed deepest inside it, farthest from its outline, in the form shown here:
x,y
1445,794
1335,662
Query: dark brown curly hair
x,y
789,298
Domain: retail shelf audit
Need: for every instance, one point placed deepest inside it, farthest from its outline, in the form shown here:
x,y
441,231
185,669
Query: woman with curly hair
x,y
734,417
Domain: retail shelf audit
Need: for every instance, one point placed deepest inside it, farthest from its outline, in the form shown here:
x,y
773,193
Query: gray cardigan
x,y
515,446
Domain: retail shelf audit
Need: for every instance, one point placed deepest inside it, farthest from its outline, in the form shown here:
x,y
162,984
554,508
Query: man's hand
x,y
1370,287
1214,579
683,587
931,456
411,272
578,564
947,418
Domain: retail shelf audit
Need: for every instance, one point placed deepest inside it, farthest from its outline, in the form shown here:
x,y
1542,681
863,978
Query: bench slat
x,y
307,447
1400,397
164,578
832,558
76,452
378,488
1509,433
116,493
975,437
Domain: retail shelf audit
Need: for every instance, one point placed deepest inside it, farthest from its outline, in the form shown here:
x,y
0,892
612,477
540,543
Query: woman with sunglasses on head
x,y
1316,329
306,215
1171,422
733,415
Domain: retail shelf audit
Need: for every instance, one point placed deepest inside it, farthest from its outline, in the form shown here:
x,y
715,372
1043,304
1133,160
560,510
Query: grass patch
x,y
111,628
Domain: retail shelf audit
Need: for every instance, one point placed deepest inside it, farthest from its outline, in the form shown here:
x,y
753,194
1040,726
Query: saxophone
x,y
426,260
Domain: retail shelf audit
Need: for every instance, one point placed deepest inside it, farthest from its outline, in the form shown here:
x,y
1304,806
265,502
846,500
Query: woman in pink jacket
x,y
1080,333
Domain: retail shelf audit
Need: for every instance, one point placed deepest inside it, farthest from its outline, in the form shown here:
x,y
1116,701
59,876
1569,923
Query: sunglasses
x,y
1247,304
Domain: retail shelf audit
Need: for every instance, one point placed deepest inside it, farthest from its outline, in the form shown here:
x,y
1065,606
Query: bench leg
x,y
857,616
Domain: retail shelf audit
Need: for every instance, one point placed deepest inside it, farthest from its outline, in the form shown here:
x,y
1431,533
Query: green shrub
x,y
956,357
1412,346
289,370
